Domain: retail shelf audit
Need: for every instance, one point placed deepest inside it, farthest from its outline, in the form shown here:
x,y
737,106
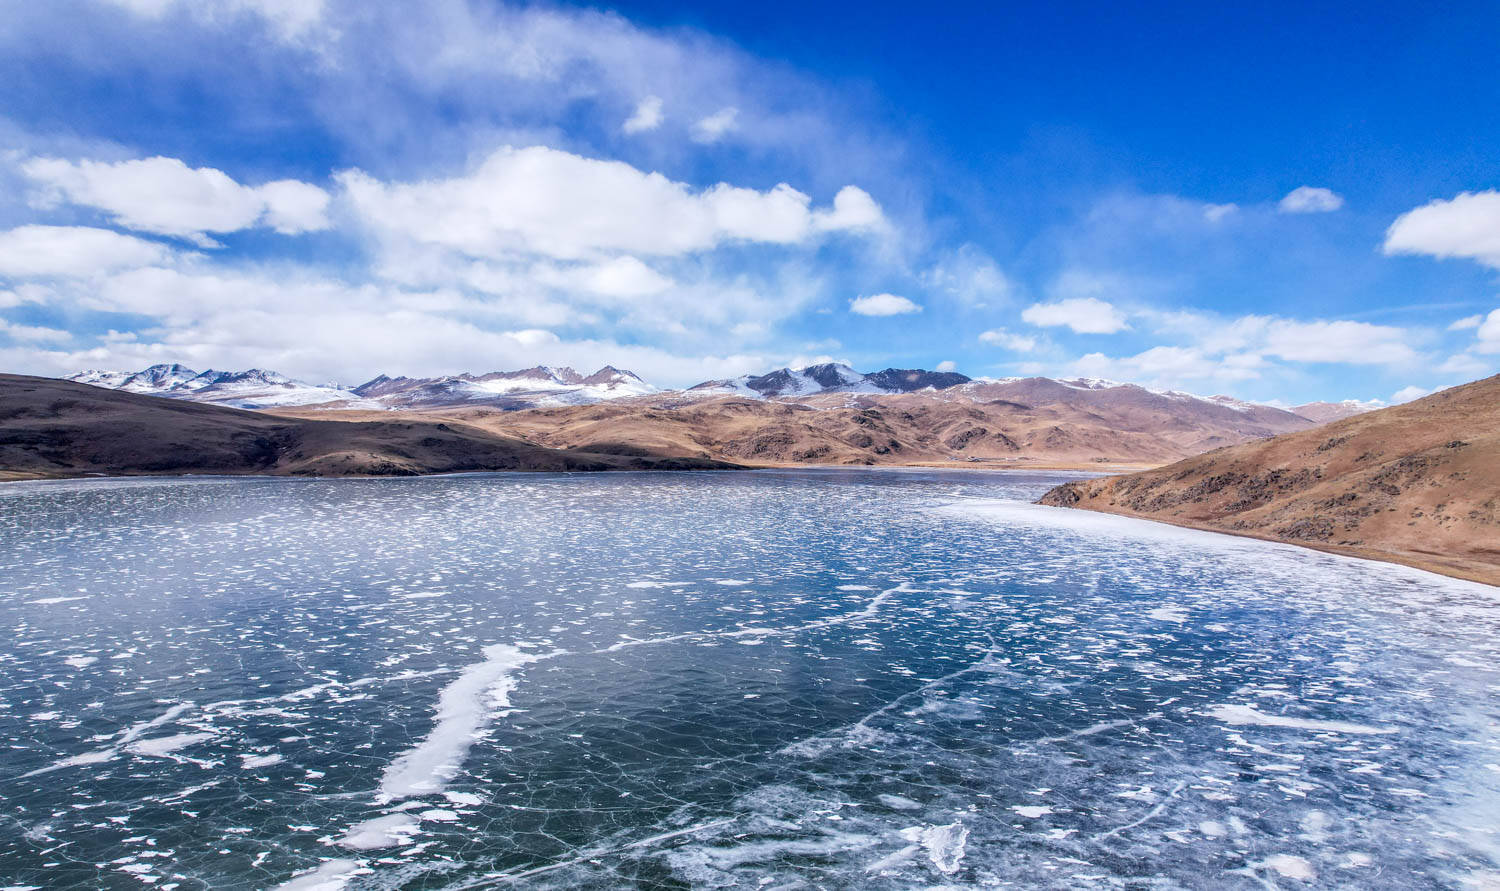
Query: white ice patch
x,y
463,708
330,876
251,762
165,745
944,844
1290,867
81,661
899,802
48,601
1244,714
1168,614
130,735
380,832
1031,811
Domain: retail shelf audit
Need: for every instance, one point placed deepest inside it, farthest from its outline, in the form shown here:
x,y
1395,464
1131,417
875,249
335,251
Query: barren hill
x,y
55,428
1417,483
1062,426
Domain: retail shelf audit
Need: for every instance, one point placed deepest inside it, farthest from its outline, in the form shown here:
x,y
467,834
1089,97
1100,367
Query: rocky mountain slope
x,y
827,378
55,428
258,388
1417,483
1058,425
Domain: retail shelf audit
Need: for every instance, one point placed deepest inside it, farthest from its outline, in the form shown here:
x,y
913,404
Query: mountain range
x,y
550,387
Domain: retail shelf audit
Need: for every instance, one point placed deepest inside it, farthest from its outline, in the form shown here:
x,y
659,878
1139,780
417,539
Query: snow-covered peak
x,y
255,388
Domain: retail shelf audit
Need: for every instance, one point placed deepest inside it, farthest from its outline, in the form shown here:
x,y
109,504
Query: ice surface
x,y
917,681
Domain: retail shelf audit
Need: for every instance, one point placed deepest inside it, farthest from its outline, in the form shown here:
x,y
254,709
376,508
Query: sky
x,y
1284,203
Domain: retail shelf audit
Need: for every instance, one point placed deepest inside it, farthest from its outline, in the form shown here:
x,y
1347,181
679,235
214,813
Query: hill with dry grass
x,y
55,428
1417,483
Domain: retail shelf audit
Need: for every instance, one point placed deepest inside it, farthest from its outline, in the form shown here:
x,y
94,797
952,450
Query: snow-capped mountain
x,y
256,388
1324,412
529,388
828,378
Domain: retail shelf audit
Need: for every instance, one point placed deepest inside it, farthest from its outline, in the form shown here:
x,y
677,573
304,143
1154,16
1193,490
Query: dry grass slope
x,y
54,428
1417,484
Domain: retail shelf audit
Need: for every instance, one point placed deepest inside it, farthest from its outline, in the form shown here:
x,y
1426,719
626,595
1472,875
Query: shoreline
x,y
1456,568
14,476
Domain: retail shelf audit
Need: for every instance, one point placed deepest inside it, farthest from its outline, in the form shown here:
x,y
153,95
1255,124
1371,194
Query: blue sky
x,y
1279,203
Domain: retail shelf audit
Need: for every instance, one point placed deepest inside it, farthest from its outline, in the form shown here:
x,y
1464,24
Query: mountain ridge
x,y
1417,483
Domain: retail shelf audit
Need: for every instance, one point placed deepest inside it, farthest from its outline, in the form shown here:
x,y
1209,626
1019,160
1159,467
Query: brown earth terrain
x,y
1058,427
1417,484
55,428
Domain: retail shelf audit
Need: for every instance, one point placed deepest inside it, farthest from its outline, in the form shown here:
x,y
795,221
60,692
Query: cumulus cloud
x,y
32,333
647,116
167,197
1355,343
1228,350
716,126
1467,322
553,203
1310,199
1084,315
72,252
1002,338
946,365
308,325
1171,365
1467,227
1488,333
882,305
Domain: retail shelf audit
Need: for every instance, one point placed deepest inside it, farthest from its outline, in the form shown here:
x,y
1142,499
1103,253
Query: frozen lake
x,y
798,679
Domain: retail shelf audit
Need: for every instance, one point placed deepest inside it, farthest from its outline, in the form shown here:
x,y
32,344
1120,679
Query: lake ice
x,y
791,679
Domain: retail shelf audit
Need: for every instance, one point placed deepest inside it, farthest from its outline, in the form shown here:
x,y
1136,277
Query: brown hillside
x,y
1417,483
54,428
925,427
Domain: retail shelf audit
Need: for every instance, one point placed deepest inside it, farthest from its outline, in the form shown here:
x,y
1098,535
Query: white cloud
x,y
972,277
32,333
1170,365
1310,199
1084,315
544,201
1000,337
1489,333
1467,322
291,19
167,197
621,277
1216,212
1467,365
72,252
714,127
1407,394
946,365
882,305
305,325
1355,343
647,116
1468,227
